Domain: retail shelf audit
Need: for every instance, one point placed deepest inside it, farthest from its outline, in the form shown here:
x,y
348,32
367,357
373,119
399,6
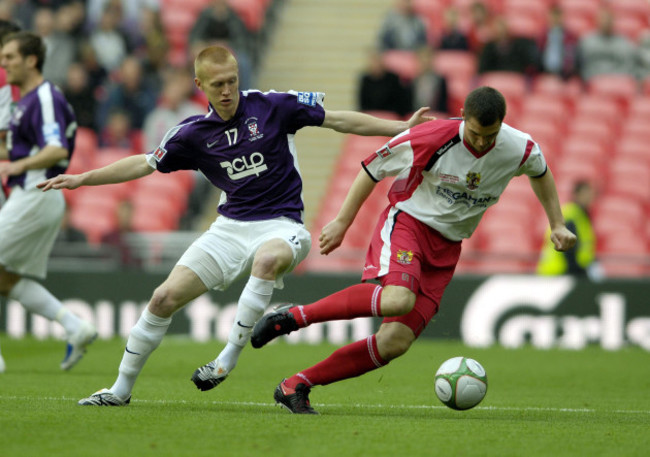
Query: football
x,y
461,383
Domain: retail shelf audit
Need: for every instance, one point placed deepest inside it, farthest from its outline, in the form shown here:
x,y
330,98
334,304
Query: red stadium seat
x,y
570,170
159,186
512,85
579,25
624,88
252,12
630,26
524,23
455,64
403,63
592,129
638,9
541,105
633,149
195,6
93,221
617,207
599,107
631,179
85,150
98,197
459,89
640,108
153,216
580,16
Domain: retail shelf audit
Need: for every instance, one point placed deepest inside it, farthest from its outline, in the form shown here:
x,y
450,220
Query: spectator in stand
x,y
108,40
220,24
173,106
153,47
97,75
380,89
130,13
643,65
506,52
130,93
402,28
606,52
480,30
428,88
558,46
118,239
580,260
118,132
453,37
61,48
80,95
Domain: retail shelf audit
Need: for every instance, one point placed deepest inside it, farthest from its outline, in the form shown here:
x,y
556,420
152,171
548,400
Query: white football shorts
x,y
225,252
29,223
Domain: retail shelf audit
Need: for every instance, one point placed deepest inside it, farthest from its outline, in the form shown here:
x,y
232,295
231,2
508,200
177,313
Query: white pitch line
x,y
356,405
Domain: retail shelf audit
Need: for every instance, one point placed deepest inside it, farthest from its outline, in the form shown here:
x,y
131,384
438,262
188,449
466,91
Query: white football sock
x,y
253,300
144,338
38,300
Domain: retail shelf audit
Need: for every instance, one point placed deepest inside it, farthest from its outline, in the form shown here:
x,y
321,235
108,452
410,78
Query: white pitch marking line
x,y
356,405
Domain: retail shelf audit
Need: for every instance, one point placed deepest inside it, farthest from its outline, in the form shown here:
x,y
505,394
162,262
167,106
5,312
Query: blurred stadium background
x,y
598,130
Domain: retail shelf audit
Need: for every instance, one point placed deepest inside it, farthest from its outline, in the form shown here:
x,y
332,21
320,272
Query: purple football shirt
x,y
42,117
251,157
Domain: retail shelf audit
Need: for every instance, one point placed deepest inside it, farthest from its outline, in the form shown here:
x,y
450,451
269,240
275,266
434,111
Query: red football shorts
x,y
406,252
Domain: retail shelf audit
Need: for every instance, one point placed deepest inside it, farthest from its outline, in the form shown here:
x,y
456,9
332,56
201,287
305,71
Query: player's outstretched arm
x,y
546,193
126,169
333,233
367,125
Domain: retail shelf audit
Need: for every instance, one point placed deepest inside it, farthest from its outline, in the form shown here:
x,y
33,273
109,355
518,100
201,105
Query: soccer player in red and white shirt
x,y
448,172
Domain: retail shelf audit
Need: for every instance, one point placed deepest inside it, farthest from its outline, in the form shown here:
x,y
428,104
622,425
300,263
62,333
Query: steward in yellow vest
x,y
577,260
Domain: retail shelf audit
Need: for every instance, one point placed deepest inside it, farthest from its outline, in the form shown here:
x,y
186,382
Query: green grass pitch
x,y
539,403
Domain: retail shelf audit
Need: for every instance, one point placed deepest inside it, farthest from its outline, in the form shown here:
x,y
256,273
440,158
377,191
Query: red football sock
x,y
347,362
360,300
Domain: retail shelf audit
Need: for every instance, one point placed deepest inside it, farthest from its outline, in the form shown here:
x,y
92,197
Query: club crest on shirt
x,y
404,257
253,129
307,98
473,180
159,153
384,152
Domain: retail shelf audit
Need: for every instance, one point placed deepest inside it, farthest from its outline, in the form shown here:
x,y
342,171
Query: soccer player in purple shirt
x,y
39,143
245,146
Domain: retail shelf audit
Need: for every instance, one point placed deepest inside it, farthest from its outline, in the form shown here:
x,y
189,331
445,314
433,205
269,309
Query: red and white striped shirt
x,y
443,182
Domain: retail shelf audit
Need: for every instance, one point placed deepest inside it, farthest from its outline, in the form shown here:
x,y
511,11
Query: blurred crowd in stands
x,y
573,39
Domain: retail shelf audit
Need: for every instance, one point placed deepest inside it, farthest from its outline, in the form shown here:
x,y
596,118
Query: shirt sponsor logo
x,y
307,98
445,147
404,257
473,180
245,166
159,153
464,198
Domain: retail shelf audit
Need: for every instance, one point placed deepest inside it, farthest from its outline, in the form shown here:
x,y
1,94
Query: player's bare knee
x,y
393,342
396,301
162,301
265,265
